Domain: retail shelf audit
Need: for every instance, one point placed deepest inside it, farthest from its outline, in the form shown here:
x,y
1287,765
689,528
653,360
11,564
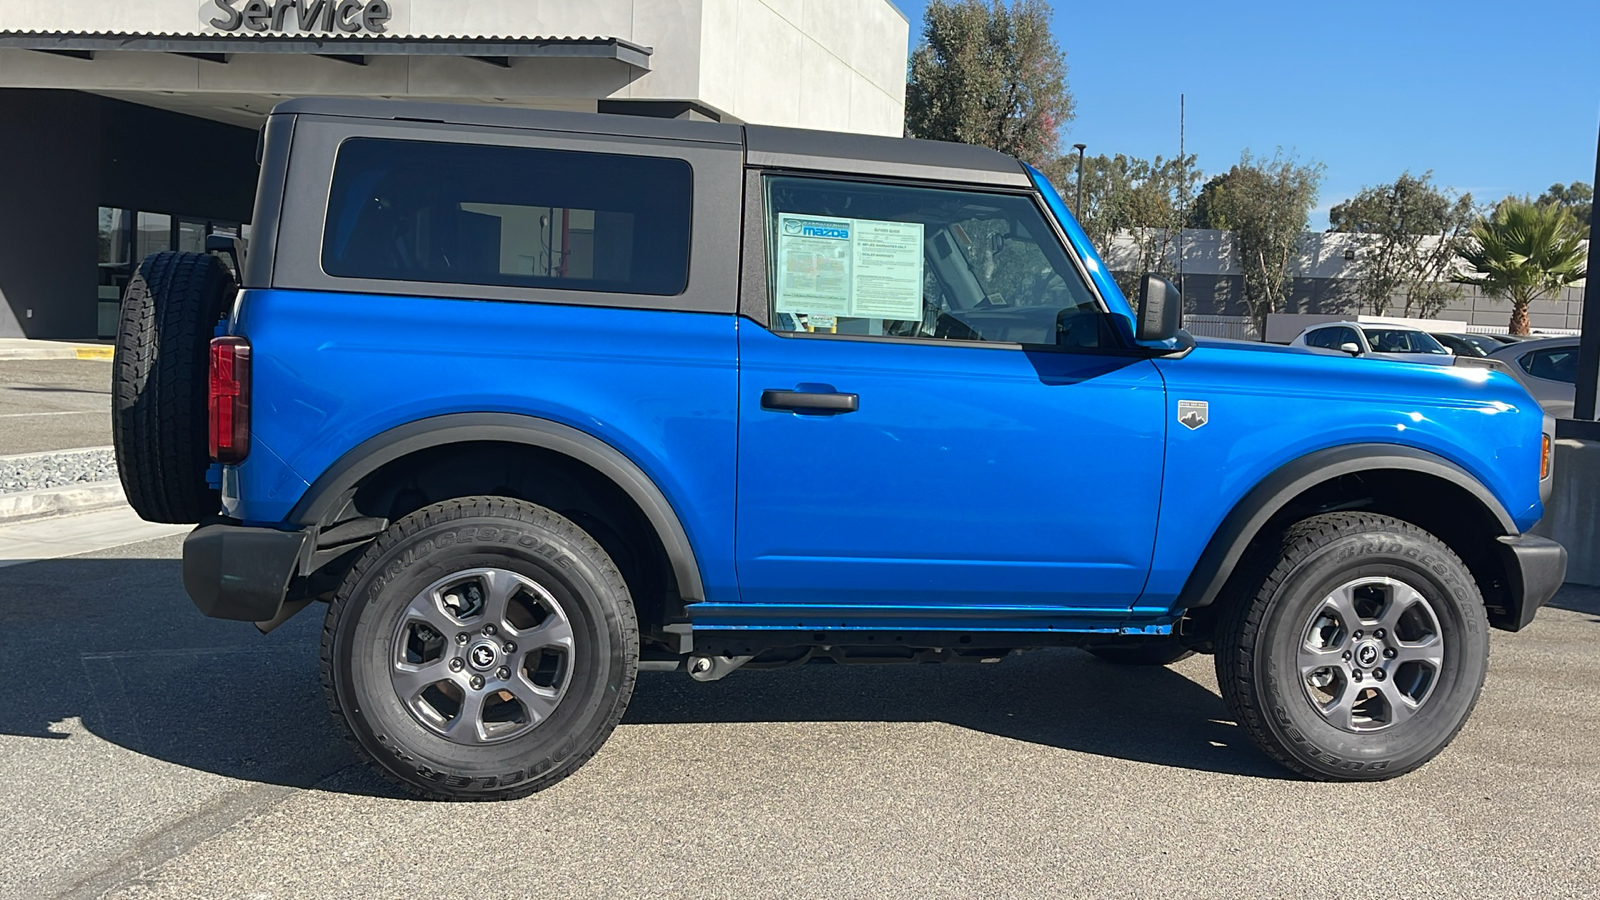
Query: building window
x,y
155,234
512,216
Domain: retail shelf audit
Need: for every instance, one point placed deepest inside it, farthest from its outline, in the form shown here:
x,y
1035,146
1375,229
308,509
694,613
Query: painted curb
x,y
85,352
60,501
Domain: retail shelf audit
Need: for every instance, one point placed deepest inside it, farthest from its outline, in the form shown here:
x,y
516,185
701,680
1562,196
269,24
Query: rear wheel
x,y
1361,654
481,649
159,389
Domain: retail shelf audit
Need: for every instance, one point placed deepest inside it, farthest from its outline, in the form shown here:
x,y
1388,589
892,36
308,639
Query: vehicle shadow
x,y
1578,598
114,648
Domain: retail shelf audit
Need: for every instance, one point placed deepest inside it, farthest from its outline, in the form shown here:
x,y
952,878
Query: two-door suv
x,y
534,401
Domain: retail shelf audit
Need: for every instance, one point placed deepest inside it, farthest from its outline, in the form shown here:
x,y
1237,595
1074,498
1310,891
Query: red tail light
x,y
229,401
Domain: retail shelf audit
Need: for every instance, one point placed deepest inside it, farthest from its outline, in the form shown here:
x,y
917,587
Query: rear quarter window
x,y
511,216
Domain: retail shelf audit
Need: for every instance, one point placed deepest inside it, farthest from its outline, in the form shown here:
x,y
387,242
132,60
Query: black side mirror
x,y
1160,309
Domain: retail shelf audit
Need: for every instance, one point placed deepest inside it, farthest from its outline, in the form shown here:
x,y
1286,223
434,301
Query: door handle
x,y
808,401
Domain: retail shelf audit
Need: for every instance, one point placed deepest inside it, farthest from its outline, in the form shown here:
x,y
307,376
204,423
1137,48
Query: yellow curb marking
x,y
94,352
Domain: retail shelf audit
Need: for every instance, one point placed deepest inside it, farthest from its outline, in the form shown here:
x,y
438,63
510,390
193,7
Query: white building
x,y
137,117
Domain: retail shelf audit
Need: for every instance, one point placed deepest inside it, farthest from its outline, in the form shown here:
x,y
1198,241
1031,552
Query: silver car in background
x,y
1548,368
1373,341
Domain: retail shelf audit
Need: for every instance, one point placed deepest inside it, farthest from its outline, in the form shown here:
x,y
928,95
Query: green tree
x,y
990,75
1411,232
1577,198
1524,252
1146,199
1265,203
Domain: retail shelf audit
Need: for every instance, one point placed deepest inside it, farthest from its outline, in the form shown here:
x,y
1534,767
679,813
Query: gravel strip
x,y
39,471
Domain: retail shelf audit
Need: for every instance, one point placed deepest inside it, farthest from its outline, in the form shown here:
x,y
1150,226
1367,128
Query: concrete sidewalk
x,y
58,536
25,348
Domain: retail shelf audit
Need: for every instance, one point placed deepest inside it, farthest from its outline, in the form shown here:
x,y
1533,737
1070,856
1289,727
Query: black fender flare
x,y
1277,490
455,428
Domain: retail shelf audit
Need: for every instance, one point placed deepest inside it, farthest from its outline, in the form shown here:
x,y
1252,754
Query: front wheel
x,y
1360,655
480,649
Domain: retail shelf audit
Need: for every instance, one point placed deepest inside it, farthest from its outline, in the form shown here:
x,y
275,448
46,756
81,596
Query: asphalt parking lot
x,y
149,752
54,404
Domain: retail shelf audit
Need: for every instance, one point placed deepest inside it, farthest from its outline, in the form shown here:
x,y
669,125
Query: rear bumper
x,y
236,572
1537,567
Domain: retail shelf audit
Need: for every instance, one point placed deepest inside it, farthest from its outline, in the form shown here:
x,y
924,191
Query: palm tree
x,y
1524,252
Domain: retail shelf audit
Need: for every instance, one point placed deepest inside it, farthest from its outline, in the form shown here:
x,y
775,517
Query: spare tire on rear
x,y
159,384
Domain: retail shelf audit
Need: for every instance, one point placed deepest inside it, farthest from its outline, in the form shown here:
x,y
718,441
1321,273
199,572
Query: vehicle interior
x,y
993,269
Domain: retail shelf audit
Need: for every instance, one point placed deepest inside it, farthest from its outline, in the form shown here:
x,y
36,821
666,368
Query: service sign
x,y
298,16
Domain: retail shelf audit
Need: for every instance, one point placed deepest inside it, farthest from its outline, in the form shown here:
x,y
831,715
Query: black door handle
x,y
806,401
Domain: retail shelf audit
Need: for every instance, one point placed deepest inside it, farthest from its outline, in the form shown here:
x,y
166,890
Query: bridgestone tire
x,y
1262,636
159,384
1151,653
402,569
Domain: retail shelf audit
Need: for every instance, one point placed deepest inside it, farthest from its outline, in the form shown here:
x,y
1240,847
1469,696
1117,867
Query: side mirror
x,y
1160,309
1351,347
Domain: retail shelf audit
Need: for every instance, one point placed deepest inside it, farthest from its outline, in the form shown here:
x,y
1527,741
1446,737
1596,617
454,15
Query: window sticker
x,y
862,268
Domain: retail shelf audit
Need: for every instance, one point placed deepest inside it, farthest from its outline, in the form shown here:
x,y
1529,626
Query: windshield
x,y
1398,340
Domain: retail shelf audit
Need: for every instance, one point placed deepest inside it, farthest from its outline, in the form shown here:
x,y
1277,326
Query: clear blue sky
x,y
1495,98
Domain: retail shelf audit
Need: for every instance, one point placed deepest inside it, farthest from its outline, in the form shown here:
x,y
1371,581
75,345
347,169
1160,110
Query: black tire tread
x,y
448,511
1243,616
159,373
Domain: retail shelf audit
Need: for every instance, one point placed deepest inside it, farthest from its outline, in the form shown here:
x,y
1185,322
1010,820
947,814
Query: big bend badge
x,y
1192,413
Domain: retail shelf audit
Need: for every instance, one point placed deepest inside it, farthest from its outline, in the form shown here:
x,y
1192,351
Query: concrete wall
x,y
62,155
828,64
824,64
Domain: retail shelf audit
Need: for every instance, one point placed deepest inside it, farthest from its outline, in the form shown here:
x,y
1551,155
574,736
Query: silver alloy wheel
x,y
1370,654
482,656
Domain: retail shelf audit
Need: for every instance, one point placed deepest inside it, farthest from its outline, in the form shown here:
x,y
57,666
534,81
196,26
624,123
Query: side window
x,y
1559,364
1344,335
514,216
1322,337
913,262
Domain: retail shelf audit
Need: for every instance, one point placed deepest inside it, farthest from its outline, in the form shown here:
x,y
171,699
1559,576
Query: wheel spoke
x,y
1401,598
467,726
539,701
425,608
1428,651
1342,602
1399,706
1313,658
409,680
1341,710
499,587
555,631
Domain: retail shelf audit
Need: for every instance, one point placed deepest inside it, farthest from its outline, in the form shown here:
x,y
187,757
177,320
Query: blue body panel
x,y
1269,405
975,488
970,477
332,370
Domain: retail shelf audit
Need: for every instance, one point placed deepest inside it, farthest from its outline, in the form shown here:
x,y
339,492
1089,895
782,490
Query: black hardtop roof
x,y
765,145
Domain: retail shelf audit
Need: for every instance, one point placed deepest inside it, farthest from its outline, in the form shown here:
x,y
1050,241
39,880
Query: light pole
x,y
1078,210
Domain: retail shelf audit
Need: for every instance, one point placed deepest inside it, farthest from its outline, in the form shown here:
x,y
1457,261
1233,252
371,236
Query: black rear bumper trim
x,y
1537,567
239,572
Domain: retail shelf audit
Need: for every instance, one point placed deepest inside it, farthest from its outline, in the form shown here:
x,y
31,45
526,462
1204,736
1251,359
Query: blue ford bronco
x,y
534,401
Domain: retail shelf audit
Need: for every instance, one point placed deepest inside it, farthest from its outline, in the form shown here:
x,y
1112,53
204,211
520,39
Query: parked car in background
x,y
1478,345
1548,368
1394,342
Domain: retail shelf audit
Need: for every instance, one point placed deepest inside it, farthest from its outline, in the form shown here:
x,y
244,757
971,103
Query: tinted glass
x,y
1322,337
1560,364
1397,340
513,216
912,262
